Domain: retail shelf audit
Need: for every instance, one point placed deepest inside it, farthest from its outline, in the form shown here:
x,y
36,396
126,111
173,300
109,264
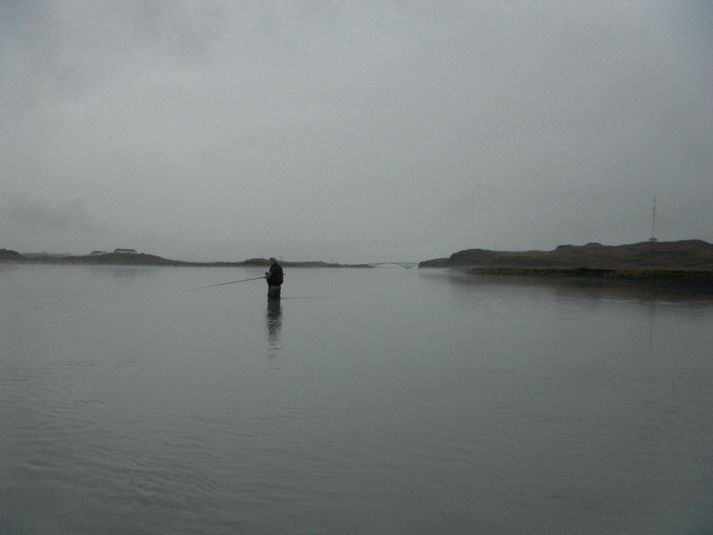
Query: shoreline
x,y
142,259
625,273
689,281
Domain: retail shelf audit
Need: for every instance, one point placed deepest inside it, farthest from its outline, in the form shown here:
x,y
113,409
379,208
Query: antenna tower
x,y
653,223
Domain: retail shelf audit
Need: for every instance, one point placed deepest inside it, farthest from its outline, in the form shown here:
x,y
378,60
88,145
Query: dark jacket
x,y
274,275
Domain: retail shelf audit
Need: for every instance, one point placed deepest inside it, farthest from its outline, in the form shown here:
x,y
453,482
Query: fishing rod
x,y
225,283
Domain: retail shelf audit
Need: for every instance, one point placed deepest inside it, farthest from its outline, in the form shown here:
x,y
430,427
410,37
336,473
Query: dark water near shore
x,y
367,401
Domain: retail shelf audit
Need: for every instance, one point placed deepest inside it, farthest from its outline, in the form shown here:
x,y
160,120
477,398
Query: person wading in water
x,y
274,278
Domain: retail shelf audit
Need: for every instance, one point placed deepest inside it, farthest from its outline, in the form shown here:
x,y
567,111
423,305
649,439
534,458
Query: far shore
x,y
618,273
688,281
681,264
144,259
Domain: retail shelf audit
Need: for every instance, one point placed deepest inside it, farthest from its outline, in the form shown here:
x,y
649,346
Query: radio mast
x,y
653,223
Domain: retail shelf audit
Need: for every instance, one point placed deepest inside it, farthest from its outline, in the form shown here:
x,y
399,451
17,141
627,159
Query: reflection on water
x,y
273,325
652,321
612,288
590,294
121,272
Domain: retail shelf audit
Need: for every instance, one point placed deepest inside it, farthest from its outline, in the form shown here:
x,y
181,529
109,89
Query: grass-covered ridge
x,y
145,259
674,255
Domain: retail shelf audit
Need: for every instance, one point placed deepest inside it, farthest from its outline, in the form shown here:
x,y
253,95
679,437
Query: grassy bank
x,y
618,273
683,281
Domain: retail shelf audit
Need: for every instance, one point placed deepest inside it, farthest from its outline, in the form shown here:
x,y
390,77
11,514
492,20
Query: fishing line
x,y
225,283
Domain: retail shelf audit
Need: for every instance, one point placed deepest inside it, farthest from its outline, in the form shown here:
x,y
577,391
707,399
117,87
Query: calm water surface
x,y
378,401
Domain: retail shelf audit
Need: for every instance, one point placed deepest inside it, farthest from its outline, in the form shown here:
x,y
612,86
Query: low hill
x,y
9,254
685,254
138,259
144,259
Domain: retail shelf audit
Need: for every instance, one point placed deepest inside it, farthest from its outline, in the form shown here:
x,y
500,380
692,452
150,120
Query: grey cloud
x,y
68,215
360,130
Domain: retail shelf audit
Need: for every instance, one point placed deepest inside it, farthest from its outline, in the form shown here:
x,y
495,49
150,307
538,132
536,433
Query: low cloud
x,y
71,215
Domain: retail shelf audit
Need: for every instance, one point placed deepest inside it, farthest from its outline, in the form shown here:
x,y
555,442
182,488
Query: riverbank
x,y
684,266
632,273
144,259
688,281
644,256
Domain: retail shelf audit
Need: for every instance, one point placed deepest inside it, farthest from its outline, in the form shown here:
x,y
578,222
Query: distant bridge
x,y
405,265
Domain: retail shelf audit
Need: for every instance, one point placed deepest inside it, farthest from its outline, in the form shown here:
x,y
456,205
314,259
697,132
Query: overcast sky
x,y
352,131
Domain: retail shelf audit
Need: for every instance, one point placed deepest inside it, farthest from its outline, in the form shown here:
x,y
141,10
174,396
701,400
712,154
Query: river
x,y
366,401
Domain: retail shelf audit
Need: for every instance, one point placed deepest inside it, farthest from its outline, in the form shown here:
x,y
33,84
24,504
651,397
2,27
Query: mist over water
x,y
365,401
